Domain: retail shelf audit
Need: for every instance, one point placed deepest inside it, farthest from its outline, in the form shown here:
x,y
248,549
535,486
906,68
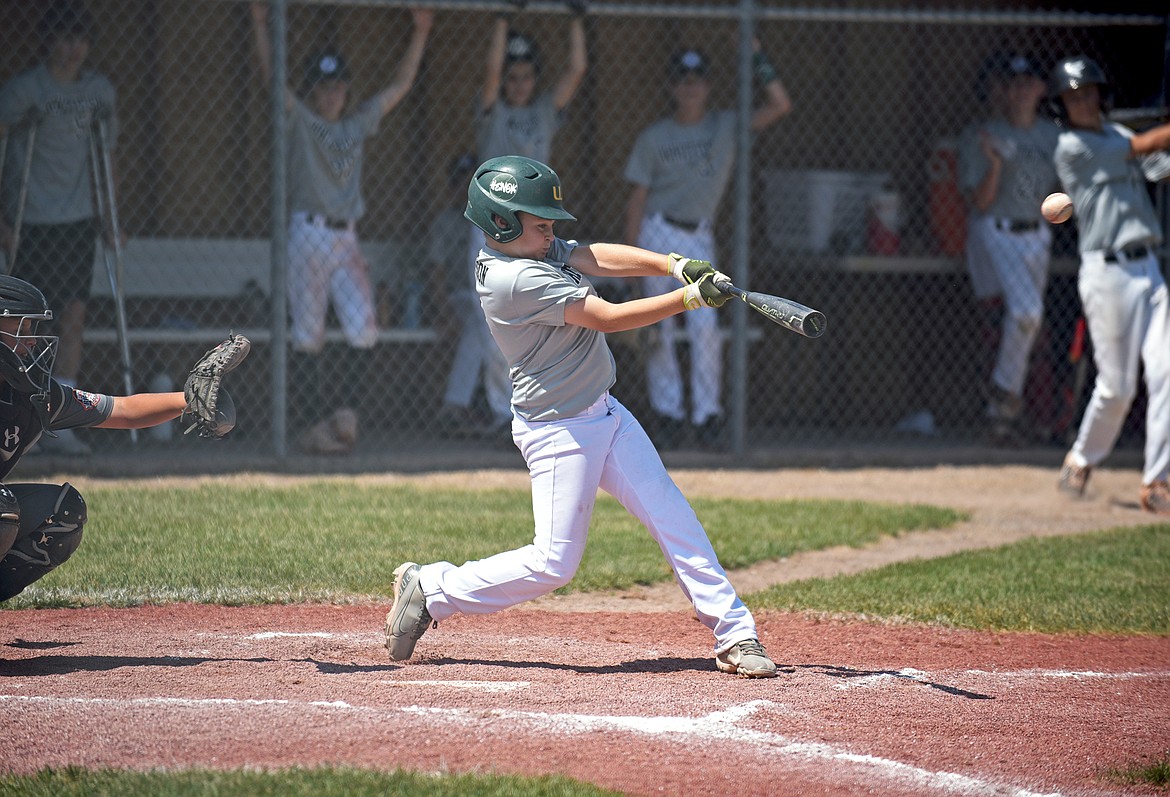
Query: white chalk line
x,y
983,676
475,686
718,726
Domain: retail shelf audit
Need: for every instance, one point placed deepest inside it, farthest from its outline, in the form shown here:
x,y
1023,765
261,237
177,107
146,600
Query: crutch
x,y
107,208
32,120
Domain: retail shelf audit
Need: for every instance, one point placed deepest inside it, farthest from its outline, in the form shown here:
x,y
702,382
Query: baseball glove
x,y
211,409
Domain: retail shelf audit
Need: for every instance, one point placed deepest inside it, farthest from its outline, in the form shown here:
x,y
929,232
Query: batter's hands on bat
x,y
686,270
703,292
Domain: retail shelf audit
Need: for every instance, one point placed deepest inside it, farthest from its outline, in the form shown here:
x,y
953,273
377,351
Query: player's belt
x,y
324,221
1131,252
689,226
1017,225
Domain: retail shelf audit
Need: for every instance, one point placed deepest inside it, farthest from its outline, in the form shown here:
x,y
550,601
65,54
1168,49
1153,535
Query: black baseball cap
x,y
1015,64
688,62
326,65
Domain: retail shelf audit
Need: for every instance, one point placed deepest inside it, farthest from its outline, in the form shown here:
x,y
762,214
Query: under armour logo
x,y
11,437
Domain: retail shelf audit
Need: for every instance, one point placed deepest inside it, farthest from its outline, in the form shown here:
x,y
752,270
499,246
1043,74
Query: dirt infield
x,y
620,690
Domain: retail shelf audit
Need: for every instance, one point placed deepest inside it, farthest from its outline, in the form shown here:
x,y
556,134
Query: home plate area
x,y
628,701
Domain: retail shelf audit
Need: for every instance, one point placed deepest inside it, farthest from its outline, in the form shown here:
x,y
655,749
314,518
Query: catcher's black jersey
x,y
21,425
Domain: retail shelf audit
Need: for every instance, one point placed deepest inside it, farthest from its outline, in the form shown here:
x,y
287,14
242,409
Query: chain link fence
x,y
853,199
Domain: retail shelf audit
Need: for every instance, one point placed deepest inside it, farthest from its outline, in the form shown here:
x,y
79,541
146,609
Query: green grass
x,y
333,540
1109,582
321,782
1154,774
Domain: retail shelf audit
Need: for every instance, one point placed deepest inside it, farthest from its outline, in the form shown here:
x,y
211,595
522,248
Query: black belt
x,y
1131,252
1015,225
325,221
689,226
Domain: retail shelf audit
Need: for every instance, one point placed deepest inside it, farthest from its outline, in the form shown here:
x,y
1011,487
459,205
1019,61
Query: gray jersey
x,y
511,130
686,167
558,370
1028,173
325,160
1107,187
59,184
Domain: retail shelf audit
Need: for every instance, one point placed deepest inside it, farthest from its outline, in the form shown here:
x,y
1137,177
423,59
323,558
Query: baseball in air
x,y
1057,208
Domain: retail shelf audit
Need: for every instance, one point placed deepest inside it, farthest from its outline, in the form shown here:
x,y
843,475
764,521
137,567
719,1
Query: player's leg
x,y
1116,314
58,259
1156,362
706,350
565,460
663,374
52,517
635,476
1022,266
308,297
353,295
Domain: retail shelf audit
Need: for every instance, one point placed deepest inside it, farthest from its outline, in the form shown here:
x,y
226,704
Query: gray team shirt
x,y
1028,173
59,184
1107,188
325,160
558,370
686,167
511,130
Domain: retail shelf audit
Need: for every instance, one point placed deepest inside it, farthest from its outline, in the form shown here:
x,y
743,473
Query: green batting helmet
x,y
501,187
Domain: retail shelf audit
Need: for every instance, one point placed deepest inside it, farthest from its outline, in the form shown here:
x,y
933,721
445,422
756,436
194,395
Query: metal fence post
x,y
741,241
279,297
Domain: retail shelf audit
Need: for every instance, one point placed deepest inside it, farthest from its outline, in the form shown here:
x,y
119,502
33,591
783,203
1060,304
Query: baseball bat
x,y
785,312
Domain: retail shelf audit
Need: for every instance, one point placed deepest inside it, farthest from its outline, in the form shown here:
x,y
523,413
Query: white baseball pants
x,y
568,460
1125,305
1020,261
324,263
663,375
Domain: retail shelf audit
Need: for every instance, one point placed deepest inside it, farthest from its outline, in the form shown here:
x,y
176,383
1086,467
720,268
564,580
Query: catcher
x,y
41,524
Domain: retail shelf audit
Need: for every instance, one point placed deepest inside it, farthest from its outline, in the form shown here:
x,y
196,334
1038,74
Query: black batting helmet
x,y
26,359
1072,73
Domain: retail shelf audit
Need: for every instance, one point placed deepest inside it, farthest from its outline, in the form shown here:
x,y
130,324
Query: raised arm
x,y
776,103
494,68
575,72
264,48
423,18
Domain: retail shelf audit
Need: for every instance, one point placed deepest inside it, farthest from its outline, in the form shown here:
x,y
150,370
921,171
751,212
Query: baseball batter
x,y
1006,171
325,261
41,524
1120,281
680,167
550,325
511,118
59,229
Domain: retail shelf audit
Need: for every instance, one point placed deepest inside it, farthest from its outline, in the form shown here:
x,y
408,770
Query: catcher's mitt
x,y
211,409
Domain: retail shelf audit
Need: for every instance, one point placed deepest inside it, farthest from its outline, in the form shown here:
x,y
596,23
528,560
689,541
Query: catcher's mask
x,y
1071,74
26,358
502,187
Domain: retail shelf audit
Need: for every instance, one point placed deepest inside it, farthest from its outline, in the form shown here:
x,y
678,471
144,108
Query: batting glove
x,y
704,293
686,270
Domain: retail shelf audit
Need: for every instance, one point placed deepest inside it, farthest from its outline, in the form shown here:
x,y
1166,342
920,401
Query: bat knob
x,y
813,324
